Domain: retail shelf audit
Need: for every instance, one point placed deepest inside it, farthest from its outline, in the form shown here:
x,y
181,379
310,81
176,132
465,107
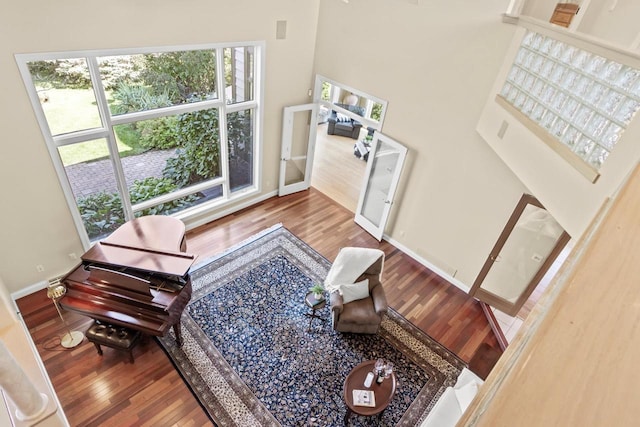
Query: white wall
x,y
612,20
541,9
36,224
435,64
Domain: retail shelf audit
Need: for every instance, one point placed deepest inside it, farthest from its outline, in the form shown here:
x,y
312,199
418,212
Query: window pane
x,y
92,180
169,153
148,81
240,136
66,94
239,66
326,91
182,203
376,111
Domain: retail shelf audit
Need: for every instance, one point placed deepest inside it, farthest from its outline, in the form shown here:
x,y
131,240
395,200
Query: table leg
x,y
311,317
347,416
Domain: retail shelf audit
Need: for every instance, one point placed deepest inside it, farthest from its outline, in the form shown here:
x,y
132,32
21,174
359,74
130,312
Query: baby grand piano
x,y
138,277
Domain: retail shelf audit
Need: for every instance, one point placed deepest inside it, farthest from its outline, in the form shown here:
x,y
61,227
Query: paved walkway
x,y
94,177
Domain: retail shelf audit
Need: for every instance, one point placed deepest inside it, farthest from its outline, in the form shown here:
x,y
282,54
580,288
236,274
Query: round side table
x,y
314,304
383,392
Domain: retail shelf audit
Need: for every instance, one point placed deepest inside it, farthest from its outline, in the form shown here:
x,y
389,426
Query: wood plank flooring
x,y
336,172
107,390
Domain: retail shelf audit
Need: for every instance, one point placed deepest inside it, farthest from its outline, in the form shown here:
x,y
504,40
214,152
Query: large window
x,y
157,131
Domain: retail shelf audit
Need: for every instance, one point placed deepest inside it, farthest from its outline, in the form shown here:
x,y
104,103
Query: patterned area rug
x,y
251,361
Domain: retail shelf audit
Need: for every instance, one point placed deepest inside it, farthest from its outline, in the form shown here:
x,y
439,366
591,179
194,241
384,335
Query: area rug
x,y
250,359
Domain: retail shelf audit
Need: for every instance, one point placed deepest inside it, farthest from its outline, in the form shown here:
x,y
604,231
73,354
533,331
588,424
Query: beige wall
x,y
619,26
435,64
36,225
541,9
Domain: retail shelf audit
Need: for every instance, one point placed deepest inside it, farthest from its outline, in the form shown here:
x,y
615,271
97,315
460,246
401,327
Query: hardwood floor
x,y
336,172
108,390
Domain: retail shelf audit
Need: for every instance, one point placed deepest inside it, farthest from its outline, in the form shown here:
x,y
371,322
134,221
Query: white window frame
x,y
108,122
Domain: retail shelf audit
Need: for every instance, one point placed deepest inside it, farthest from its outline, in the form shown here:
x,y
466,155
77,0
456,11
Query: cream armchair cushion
x,y
354,291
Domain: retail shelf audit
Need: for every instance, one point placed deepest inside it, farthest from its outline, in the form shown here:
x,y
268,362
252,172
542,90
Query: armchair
x,y
356,274
341,125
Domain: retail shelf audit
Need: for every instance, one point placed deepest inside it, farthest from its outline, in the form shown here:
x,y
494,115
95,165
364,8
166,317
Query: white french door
x,y
384,166
298,143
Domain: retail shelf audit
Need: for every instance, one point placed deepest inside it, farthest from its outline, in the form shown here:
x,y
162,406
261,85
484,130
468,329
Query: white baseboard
x,y
29,290
440,272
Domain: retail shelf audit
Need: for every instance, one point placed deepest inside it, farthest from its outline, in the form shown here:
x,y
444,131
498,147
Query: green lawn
x,y
69,110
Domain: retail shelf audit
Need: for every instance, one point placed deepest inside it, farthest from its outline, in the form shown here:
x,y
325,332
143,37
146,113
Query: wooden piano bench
x,y
118,337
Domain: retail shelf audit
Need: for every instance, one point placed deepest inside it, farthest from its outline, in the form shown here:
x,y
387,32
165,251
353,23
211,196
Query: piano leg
x,y
177,330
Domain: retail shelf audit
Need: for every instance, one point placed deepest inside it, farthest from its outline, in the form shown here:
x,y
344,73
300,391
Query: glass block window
x,y
583,100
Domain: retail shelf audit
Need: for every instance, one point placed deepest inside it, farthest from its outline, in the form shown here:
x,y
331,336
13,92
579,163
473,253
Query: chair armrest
x,y
331,127
335,300
379,299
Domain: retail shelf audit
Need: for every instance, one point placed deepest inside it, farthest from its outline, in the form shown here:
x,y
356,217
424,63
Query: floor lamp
x,y
55,291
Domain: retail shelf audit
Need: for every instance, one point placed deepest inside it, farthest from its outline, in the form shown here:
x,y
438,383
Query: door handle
x,y
388,202
495,258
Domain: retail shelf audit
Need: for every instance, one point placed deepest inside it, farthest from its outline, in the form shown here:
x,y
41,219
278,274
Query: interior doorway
x,y
347,118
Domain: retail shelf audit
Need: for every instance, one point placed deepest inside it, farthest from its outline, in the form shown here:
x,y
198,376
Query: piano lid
x,y
153,243
144,259
160,232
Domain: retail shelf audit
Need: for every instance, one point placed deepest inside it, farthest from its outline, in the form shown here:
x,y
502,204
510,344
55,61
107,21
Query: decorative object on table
x,y
369,380
379,370
357,298
364,398
382,369
55,291
246,346
318,291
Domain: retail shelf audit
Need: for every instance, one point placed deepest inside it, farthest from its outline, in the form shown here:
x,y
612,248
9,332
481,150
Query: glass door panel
x,y
298,139
384,166
525,250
